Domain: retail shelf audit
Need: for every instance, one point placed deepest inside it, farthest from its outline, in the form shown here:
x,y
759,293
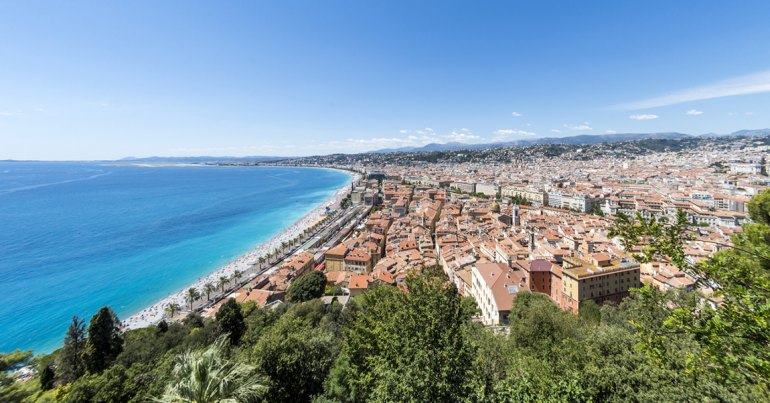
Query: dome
x,y
495,207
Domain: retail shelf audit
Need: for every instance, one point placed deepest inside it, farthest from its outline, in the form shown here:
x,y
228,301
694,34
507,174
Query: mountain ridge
x,y
575,140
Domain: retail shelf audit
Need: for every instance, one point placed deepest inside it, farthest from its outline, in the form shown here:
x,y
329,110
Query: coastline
x,y
248,261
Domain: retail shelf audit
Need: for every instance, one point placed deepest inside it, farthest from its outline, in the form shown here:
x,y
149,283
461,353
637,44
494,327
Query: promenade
x,y
248,265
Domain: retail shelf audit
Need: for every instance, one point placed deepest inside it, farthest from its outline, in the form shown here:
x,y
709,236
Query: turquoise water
x,y
78,236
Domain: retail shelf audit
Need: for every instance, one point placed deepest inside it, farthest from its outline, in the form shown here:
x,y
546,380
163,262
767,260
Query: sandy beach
x,y
153,314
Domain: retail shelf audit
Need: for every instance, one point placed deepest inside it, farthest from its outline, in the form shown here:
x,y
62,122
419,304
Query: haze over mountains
x,y
581,139
575,140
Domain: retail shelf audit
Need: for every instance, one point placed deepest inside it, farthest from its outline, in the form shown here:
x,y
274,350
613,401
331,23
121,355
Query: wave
x,y
7,191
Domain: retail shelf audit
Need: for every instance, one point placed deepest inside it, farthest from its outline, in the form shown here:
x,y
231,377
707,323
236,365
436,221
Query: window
x,y
616,289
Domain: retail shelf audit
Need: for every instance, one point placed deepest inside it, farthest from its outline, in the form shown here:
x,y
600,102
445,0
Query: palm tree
x,y
222,282
172,309
191,296
208,288
236,275
207,376
261,262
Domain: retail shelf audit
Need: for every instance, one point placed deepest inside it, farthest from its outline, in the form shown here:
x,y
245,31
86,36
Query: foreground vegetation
x,y
421,345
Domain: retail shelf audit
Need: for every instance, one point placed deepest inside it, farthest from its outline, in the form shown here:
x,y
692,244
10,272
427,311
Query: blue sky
x,y
105,80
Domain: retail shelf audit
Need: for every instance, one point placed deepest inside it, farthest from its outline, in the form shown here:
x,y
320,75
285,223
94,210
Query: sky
x,y
86,80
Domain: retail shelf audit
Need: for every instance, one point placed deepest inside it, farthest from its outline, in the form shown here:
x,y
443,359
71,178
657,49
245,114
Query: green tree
x,y
236,276
208,288
230,320
733,338
10,390
191,296
307,287
207,376
46,378
104,343
172,309
589,310
222,283
407,346
296,355
70,365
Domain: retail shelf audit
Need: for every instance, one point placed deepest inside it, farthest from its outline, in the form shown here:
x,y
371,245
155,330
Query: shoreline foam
x,y
156,312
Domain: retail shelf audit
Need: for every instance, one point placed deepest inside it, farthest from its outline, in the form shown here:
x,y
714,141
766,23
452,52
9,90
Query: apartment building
x,y
600,277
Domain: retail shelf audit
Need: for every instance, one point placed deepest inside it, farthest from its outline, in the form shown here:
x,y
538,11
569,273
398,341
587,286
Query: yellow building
x,y
335,258
601,277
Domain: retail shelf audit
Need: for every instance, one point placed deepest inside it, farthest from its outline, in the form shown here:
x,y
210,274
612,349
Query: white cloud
x,y
694,112
501,134
581,127
751,84
465,130
7,113
105,105
460,136
558,131
529,125
587,123
403,131
429,129
39,110
749,113
731,113
643,117
517,114
420,132
611,132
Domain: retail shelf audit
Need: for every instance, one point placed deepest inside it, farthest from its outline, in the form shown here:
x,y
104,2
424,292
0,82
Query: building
x,y
467,187
554,199
301,264
335,258
601,277
753,169
359,260
535,196
494,286
489,189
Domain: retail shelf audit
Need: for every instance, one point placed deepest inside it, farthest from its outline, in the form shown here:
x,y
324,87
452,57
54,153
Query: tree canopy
x,y
307,287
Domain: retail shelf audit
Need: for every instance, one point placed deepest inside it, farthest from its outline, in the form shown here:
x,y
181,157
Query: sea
x,y
75,237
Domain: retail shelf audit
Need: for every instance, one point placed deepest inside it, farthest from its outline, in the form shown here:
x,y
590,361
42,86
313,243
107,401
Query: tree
x,y
207,375
104,343
235,276
734,337
172,309
10,390
307,287
296,355
222,283
191,296
230,320
208,288
590,311
70,365
46,378
408,346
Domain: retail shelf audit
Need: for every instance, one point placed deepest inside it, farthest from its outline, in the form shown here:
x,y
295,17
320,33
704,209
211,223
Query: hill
x,y
574,140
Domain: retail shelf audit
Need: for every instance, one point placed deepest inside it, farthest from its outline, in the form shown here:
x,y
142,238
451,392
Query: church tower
x,y
516,219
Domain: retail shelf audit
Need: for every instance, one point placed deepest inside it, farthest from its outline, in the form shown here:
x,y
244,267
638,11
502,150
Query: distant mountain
x,y
582,139
197,160
757,132
575,140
